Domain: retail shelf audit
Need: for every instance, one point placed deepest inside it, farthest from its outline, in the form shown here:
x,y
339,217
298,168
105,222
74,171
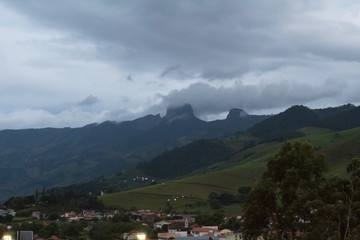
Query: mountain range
x,y
238,161
154,147
202,156
49,157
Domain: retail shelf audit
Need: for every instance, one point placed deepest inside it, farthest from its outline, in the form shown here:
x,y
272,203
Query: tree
x,y
217,218
70,230
214,201
50,230
280,203
231,224
6,219
352,194
295,197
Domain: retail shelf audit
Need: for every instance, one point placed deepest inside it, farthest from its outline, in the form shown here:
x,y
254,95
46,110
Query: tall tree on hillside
x,y
295,201
276,205
336,214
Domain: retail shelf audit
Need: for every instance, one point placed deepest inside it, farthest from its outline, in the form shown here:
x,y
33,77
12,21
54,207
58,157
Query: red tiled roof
x,y
202,230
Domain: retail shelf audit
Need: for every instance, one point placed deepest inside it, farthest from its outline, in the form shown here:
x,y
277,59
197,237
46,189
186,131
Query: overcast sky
x,y
71,63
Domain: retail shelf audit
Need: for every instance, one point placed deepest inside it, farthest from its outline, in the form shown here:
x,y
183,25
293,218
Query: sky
x,y
67,63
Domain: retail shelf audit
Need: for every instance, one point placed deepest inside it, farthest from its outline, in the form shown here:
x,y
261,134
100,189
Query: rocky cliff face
x,y
236,114
181,112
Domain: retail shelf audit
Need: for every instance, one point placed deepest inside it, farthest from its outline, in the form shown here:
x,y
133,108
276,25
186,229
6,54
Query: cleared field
x,y
191,193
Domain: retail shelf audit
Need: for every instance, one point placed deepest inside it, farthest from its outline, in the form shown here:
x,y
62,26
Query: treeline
x,y
54,200
217,200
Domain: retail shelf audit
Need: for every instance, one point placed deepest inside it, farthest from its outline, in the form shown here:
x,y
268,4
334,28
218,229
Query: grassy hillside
x,y
242,169
192,192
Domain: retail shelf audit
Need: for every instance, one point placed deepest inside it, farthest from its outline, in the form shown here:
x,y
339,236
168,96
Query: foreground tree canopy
x,y
294,199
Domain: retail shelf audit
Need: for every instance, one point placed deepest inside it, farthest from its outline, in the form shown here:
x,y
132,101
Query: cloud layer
x,y
133,57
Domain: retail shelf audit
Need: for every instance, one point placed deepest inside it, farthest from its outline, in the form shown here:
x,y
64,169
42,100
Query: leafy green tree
x,y
35,226
278,204
70,230
107,230
216,218
214,201
231,224
53,216
50,230
6,219
226,198
294,197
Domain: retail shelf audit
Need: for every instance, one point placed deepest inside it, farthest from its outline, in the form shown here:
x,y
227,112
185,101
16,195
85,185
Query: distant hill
x,y
51,157
283,126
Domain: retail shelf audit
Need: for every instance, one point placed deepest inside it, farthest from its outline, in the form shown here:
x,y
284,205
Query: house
x,y
69,215
141,215
135,216
108,215
72,216
3,212
177,232
233,236
199,232
11,212
91,215
36,215
161,224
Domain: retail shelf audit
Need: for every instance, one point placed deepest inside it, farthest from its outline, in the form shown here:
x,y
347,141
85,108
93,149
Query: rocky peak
x,y
235,114
180,112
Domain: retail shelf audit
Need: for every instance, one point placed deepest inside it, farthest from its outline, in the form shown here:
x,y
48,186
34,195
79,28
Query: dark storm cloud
x,y
214,39
211,100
